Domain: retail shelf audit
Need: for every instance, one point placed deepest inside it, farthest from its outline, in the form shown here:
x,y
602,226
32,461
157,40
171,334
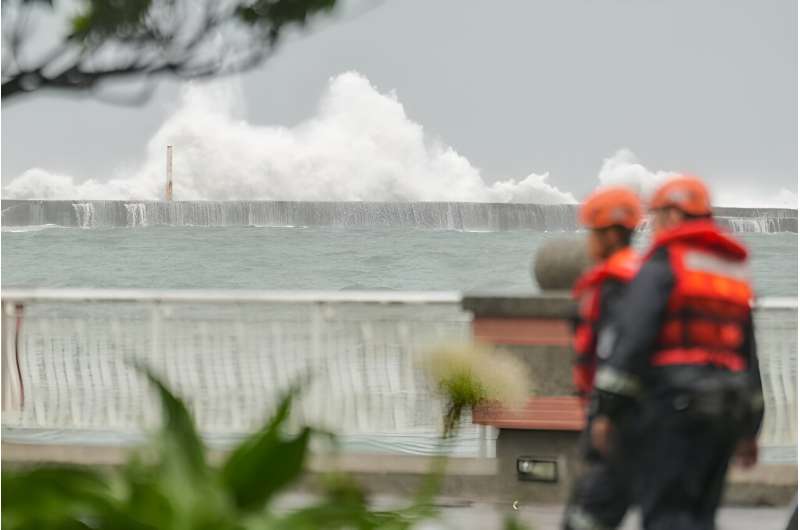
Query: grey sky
x,y
514,86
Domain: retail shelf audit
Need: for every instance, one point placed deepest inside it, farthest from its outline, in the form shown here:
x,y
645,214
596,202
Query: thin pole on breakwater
x,y
168,189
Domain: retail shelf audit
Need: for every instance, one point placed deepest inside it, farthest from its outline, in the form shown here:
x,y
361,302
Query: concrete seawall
x,y
430,215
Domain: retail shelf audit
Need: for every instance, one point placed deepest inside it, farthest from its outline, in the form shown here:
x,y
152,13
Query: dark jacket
x,y
598,292
629,374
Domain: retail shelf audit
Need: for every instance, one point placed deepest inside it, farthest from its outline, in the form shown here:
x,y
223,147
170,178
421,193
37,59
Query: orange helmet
x,y
686,193
611,206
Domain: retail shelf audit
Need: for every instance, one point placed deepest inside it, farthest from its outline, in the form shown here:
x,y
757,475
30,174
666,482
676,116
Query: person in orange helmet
x,y
682,353
601,496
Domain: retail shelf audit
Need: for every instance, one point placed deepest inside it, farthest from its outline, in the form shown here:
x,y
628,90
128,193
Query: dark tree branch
x,y
168,37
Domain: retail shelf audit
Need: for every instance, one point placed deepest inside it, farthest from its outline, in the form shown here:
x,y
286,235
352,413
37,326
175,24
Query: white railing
x,y
67,363
68,374
776,340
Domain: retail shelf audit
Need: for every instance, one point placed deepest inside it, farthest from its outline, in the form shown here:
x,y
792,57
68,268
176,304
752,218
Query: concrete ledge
x,y
16,453
402,464
763,485
89,455
556,305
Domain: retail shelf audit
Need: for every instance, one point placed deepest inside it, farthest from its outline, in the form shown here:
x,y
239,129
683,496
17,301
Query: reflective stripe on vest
x,y
618,382
706,262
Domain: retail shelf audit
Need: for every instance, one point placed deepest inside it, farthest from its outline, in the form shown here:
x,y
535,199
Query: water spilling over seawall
x,y
432,215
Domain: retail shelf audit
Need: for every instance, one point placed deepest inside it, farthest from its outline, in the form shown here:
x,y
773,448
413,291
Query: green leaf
x,y
276,14
110,18
180,486
81,25
265,462
54,497
146,494
178,431
247,14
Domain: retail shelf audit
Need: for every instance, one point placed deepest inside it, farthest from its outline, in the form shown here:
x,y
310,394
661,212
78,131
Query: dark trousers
x,y
603,492
681,475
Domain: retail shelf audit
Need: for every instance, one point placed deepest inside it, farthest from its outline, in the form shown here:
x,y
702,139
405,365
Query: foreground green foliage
x,y
171,485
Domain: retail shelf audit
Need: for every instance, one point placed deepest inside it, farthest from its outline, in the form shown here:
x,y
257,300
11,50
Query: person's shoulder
x,y
613,285
656,265
656,257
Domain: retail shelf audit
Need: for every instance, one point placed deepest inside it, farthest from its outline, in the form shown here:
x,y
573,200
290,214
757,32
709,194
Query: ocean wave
x,y
30,228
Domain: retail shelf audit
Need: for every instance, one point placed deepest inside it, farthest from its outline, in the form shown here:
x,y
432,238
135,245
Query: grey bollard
x,y
559,262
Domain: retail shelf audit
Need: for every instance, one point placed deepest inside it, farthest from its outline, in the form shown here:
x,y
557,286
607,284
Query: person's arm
x,y
747,451
628,341
611,292
585,338
754,372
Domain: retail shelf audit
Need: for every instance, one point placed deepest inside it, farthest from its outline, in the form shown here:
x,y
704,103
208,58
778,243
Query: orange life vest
x,y
621,266
711,301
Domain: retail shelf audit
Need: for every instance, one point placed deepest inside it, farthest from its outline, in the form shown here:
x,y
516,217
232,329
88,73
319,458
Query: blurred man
x,y
682,347
601,496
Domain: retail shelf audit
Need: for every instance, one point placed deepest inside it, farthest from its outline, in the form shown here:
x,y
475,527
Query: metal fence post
x,y
12,385
7,391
